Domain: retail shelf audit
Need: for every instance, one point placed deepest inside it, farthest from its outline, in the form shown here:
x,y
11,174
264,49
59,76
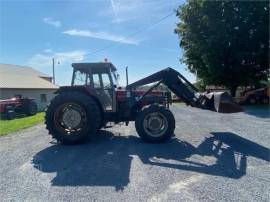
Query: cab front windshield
x,y
115,76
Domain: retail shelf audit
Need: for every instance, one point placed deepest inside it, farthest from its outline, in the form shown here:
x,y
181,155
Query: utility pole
x,y
127,74
53,71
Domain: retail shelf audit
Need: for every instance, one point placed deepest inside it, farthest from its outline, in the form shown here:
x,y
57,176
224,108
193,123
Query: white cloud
x,y
100,35
44,61
51,21
48,50
122,11
75,56
63,69
114,10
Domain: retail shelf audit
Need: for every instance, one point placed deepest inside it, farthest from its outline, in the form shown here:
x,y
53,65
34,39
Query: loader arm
x,y
181,87
172,79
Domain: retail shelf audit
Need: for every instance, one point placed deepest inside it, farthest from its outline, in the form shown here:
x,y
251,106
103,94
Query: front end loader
x,y
216,101
93,100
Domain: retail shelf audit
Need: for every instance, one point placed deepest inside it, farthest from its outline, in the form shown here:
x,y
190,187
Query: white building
x,y
25,81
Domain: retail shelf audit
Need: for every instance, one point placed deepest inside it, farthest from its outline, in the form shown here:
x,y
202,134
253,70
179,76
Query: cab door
x,y
104,87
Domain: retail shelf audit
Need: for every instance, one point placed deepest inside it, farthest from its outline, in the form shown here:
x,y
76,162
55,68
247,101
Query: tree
x,y
225,42
200,85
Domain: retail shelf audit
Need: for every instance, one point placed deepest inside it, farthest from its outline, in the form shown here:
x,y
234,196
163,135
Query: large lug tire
x,y
11,115
31,108
155,124
10,112
72,117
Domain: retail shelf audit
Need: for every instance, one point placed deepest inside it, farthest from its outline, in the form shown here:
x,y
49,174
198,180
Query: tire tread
x,y
155,108
87,102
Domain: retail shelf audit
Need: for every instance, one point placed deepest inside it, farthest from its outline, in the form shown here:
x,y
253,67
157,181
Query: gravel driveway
x,y
213,157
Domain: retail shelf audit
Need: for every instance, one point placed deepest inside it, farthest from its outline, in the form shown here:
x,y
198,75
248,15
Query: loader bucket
x,y
224,103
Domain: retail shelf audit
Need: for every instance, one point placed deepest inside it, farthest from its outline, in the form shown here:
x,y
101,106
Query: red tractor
x,y
94,99
9,108
254,96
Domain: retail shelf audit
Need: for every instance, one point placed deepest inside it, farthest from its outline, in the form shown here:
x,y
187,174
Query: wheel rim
x,y
70,118
155,124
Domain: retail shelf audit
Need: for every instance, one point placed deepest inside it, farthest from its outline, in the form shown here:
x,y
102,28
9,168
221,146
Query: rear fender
x,y
84,89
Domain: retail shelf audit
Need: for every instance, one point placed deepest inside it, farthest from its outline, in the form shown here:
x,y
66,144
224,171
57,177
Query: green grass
x,y
179,103
10,126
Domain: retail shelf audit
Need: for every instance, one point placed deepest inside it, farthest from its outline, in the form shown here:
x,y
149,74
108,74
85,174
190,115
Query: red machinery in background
x,y
9,108
254,96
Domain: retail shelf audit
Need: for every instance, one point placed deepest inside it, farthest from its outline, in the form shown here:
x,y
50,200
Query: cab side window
x,y
96,81
106,80
80,78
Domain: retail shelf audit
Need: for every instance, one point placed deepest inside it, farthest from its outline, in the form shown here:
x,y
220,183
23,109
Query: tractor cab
x,y
98,75
102,77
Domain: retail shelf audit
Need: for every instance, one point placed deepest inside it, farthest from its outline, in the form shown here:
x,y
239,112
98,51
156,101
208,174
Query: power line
x,y
131,35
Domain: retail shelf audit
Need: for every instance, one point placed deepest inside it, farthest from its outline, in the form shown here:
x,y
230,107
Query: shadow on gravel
x,y
261,111
106,161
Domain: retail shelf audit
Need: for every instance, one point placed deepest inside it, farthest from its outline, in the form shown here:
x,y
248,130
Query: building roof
x,y
14,76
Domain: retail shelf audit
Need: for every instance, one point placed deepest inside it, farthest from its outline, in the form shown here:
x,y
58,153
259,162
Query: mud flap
x,y
224,103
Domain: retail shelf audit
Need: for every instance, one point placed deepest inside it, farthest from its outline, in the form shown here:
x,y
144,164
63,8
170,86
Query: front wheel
x,y
155,124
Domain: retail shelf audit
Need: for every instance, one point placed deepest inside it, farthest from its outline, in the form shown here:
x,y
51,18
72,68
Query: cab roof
x,y
94,65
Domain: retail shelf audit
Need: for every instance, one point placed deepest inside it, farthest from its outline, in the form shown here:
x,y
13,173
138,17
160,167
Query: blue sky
x,y
32,32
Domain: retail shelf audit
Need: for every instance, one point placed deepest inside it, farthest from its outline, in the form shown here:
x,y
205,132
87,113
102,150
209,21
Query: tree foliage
x,y
225,42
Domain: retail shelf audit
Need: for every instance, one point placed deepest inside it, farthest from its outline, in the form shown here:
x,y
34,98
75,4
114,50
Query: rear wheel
x,y
155,124
10,112
31,108
72,117
11,115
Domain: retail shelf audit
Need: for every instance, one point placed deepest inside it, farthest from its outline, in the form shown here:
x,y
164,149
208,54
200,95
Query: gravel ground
x,y
213,157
